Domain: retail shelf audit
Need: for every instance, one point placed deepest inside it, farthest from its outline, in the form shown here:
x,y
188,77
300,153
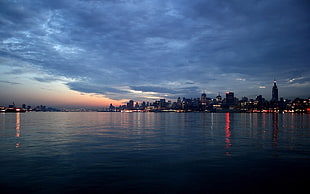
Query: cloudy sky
x,y
92,53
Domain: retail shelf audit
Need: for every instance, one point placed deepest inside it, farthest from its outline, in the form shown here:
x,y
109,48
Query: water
x,y
61,152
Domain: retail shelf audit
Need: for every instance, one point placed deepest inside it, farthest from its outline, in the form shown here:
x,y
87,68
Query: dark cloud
x,y
45,79
87,88
9,82
173,47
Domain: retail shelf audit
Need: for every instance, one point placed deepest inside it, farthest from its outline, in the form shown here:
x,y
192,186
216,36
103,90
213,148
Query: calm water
x,y
154,152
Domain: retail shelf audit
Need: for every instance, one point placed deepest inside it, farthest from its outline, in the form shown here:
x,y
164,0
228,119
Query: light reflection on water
x,y
17,128
153,152
227,133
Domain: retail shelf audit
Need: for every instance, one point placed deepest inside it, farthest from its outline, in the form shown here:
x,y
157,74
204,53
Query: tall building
x,y
162,103
219,98
203,99
259,98
130,104
230,99
274,92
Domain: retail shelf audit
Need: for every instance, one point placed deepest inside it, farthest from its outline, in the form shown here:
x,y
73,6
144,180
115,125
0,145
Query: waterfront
x,y
60,152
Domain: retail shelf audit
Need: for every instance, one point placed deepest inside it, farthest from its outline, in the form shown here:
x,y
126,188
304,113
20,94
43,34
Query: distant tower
x,y
274,92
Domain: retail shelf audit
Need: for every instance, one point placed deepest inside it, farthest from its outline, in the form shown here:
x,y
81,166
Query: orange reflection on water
x,y
18,124
227,133
17,128
275,130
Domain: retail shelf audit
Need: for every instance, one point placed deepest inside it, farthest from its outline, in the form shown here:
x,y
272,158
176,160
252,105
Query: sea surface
x,y
100,152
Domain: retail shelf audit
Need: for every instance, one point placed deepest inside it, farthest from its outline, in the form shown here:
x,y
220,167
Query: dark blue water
x,y
154,153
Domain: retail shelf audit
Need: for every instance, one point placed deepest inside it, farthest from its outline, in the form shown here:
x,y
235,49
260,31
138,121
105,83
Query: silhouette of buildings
x,y
229,104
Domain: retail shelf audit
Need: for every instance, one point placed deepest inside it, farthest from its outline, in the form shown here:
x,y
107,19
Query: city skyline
x,y
92,53
227,103
204,101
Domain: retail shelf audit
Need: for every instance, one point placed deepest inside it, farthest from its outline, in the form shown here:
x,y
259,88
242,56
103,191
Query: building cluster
x,y
13,108
218,104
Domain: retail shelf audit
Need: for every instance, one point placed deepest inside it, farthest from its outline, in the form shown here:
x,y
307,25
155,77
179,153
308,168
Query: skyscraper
x,y
230,99
219,98
274,92
203,99
130,104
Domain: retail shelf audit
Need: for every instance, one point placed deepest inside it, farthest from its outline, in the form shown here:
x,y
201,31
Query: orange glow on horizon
x,y
73,98
56,94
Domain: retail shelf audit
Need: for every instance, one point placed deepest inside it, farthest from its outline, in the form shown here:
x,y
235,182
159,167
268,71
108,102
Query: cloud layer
x,y
153,49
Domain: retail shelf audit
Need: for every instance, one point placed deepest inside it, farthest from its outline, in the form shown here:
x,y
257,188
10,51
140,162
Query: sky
x,y
93,53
